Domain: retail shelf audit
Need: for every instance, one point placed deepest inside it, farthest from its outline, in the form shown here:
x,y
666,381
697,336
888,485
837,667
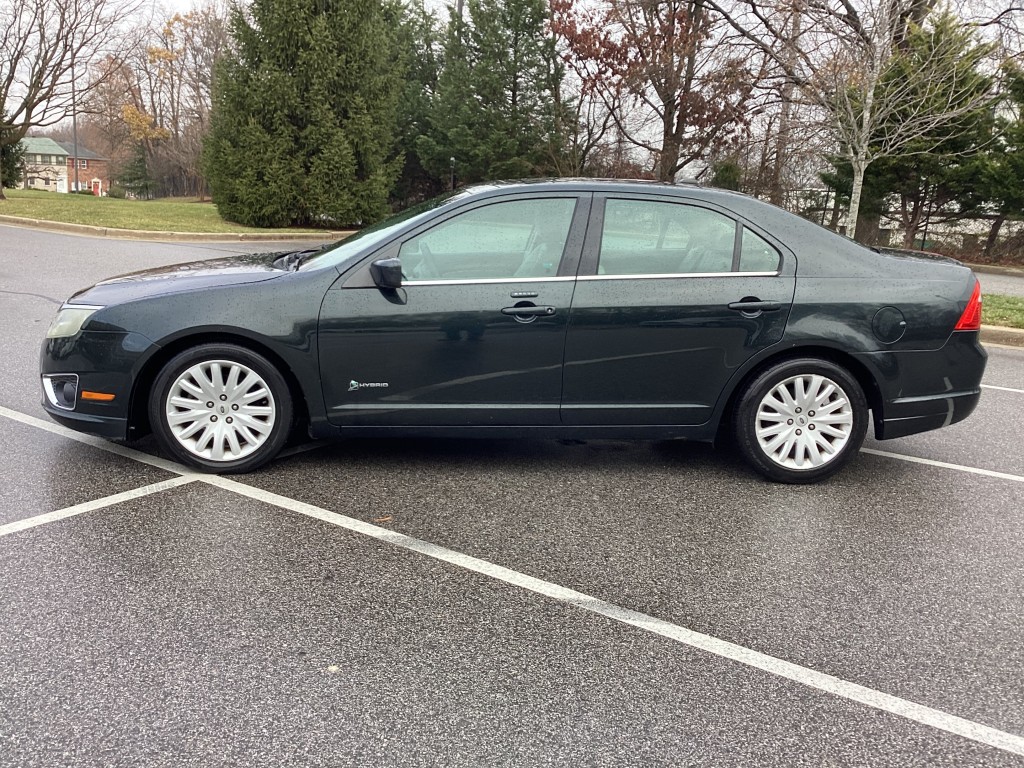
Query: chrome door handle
x,y
529,311
756,306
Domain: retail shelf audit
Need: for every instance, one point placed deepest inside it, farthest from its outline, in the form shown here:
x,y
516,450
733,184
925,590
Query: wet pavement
x,y
444,602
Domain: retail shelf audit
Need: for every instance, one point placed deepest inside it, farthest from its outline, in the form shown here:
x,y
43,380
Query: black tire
x,y
800,444
250,418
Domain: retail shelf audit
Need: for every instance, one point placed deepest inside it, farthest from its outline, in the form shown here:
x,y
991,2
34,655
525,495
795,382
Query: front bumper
x,y
110,427
106,362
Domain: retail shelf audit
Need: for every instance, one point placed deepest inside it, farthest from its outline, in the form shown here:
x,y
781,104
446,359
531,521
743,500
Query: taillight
x,y
970,320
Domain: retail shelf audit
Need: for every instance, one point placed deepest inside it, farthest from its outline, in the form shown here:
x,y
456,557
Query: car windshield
x,y
338,253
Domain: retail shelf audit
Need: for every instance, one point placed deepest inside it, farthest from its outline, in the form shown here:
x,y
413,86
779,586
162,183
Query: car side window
x,y
518,238
757,255
645,237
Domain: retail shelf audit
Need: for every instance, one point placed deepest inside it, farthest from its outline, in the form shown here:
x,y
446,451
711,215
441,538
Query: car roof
x,y
630,186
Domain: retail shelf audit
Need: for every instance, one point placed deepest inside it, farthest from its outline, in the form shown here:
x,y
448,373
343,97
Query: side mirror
x,y
387,273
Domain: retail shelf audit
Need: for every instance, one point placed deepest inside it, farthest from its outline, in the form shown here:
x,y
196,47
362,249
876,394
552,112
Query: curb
x,y
998,334
995,269
195,237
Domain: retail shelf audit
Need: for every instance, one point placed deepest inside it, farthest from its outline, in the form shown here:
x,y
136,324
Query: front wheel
x,y
221,408
801,420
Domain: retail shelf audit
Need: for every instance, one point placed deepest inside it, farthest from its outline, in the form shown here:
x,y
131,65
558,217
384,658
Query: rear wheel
x,y
221,408
801,420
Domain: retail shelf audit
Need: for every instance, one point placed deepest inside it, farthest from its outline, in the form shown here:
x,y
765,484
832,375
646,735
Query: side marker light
x,y
102,397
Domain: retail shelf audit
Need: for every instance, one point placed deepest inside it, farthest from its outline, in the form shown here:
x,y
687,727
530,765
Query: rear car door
x,y
476,333
672,297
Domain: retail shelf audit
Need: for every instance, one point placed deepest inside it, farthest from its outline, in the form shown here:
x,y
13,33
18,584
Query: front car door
x,y
673,296
476,333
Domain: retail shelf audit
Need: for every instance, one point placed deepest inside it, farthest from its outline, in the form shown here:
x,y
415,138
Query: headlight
x,y
69,320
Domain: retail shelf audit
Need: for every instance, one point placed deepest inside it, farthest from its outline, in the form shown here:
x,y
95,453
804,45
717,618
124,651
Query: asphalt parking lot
x,y
489,603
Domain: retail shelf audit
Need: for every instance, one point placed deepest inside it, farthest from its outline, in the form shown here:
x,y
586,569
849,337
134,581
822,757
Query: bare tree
x,y
672,85
587,105
40,42
841,60
174,70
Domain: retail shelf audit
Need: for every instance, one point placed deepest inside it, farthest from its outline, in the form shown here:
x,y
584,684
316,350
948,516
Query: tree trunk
x,y
912,218
777,193
833,221
860,166
669,156
993,234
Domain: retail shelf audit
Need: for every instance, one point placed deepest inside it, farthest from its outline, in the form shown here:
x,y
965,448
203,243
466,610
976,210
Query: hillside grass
x,y
165,215
1002,310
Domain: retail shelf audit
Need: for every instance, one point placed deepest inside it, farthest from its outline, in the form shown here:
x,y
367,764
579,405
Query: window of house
x,y
513,239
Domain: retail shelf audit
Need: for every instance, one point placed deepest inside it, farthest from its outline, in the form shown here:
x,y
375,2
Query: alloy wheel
x,y
804,422
220,410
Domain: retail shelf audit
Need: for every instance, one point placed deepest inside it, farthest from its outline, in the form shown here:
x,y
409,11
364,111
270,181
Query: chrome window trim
x,y
679,275
93,307
490,281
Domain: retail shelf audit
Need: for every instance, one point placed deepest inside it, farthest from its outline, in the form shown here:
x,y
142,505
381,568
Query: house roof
x,y
37,145
82,153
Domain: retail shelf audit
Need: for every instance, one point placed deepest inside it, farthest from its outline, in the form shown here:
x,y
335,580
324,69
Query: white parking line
x,y
944,465
96,442
1003,389
90,506
821,681
818,680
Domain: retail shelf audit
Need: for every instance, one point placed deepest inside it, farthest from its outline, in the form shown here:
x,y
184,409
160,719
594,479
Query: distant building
x,y
93,170
45,165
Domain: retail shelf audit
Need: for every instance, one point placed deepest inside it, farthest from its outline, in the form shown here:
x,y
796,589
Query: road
x,y
519,603
1007,285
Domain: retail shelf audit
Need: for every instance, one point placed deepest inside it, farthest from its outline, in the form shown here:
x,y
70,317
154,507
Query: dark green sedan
x,y
568,309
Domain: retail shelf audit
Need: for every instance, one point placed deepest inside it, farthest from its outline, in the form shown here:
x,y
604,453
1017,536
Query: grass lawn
x,y
167,215
1002,310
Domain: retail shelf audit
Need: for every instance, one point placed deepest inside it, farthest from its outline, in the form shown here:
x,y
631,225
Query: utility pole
x,y
74,125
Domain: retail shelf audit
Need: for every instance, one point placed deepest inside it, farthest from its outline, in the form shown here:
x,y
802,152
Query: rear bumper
x,y
921,391
908,416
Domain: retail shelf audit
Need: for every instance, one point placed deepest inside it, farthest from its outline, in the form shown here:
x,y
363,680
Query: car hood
x,y
196,275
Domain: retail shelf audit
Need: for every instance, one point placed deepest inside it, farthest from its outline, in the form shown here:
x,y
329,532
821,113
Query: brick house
x,y
93,170
45,165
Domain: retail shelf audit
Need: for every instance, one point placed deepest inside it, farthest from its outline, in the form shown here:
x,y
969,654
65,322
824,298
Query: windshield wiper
x,y
292,261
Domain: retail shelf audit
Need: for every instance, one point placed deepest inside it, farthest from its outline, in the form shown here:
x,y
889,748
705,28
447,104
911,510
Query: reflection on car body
x,y
570,309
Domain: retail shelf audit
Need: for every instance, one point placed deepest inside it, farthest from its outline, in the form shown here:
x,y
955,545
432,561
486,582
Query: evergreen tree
x,y
935,176
11,154
134,177
727,174
496,110
1002,167
929,177
302,130
420,51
